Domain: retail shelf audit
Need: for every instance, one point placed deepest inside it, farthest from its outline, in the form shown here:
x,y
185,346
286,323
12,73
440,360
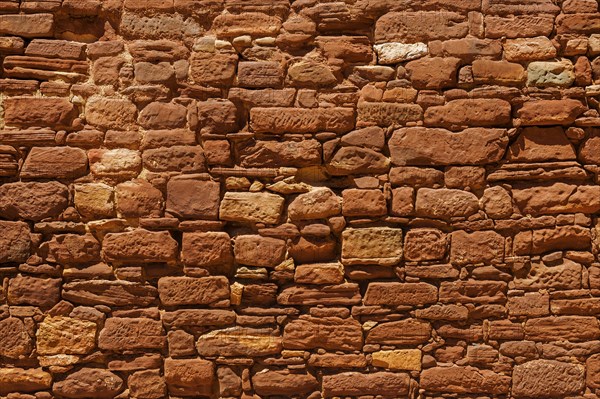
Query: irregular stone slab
x,y
357,160
27,25
211,249
319,203
213,69
545,240
420,26
32,200
36,291
399,359
122,334
55,163
376,245
251,207
547,379
65,335
240,341
357,384
402,332
550,112
176,291
342,294
158,115
566,276
273,154
425,244
430,146
319,273
41,112
14,339
255,24
469,112
394,294
274,382
109,293
193,199
557,198
518,26
331,333
558,328
198,318
139,246
529,49
309,73
394,53
464,380
478,247
445,203
16,379
89,382
15,242
119,164
498,72
473,291
433,73
189,377
536,144
386,114
255,250
589,152
550,74
278,120
56,49
111,113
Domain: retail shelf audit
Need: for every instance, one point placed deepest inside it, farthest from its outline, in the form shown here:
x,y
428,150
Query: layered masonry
x,y
310,198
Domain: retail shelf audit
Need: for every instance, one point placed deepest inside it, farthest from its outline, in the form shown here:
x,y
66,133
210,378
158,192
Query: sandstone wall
x,y
310,198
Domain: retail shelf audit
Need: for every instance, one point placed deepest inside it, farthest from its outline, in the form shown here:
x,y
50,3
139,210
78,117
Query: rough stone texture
x,y
312,199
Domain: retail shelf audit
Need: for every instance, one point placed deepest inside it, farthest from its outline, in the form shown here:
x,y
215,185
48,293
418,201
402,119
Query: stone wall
x,y
310,198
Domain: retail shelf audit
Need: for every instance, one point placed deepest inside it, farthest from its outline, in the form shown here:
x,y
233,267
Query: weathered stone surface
x,y
32,25
87,382
174,291
189,377
239,341
32,201
473,291
547,379
590,150
557,198
198,318
319,203
298,120
425,244
433,73
211,249
386,114
55,162
159,115
478,247
464,380
184,158
138,198
342,294
268,382
556,328
251,207
403,332
399,359
110,293
309,73
537,144
122,334
430,146
377,245
110,113
367,203
422,26
65,335
147,384
14,379
278,154
139,246
412,294
30,111
469,112
545,240
35,291
119,164
15,242
546,74
357,160
393,53
94,200
331,333
550,112
356,384
194,199
319,273
14,339
254,250
445,203
499,72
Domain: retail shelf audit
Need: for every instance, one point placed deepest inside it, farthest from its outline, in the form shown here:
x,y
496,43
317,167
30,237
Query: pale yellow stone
x,y
15,379
94,200
240,341
374,245
66,335
251,207
399,359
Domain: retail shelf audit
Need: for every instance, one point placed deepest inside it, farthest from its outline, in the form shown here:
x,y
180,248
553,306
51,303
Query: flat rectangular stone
x,y
278,120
